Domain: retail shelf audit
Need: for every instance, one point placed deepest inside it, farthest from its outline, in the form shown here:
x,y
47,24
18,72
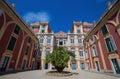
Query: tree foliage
x,y
59,58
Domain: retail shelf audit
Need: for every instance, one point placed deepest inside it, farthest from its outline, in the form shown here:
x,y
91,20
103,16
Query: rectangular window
x,y
42,31
48,40
94,51
17,29
104,30
26,51
79,40
111,44
29,40
78,31
43,26
11,43
72,40
81,53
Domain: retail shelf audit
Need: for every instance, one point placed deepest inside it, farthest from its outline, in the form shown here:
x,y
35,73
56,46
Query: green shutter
x,y
104,30
108,44
11,43
17,29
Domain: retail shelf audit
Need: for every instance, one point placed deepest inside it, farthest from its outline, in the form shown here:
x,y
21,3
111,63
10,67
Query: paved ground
x,y
41,74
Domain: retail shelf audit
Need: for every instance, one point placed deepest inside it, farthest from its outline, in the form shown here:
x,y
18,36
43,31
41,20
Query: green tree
x,y
59,58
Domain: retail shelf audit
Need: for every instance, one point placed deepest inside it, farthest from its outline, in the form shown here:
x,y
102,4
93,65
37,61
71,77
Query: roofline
x,y
16,14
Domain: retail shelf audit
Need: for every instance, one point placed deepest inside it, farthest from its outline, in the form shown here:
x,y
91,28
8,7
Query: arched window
x,y
81,52
72,39
48,39
47,51
41,39
79,40
73,50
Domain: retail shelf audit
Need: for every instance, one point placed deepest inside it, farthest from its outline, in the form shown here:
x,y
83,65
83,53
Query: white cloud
x,y
35,17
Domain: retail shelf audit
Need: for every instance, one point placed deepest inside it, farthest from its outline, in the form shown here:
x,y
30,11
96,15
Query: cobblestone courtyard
x,y
40,74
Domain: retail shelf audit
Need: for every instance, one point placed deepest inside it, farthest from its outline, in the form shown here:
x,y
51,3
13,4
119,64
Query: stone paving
x,y
41,74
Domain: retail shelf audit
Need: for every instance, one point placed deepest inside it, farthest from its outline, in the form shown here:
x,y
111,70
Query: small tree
x,y
59,58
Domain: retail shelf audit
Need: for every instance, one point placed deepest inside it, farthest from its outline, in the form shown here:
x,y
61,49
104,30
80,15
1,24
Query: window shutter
x,y
113,42
108,44
96,53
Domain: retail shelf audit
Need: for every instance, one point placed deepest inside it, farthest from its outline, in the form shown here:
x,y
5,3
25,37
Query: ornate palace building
x,y
17,42
102,43
72,41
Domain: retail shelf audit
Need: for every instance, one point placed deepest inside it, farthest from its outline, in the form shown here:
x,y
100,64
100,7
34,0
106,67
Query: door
x,y
46,66
5,63
24,64
116,66
97,66
38,65
82,66
73,66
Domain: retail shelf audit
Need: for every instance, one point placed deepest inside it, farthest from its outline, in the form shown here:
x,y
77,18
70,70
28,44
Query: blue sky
x,y
60,13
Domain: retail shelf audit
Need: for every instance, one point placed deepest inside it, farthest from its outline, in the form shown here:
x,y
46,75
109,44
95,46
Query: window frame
x,y
111,43
9,46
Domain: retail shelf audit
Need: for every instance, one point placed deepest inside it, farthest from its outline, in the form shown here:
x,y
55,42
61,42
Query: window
x,y
11,43
29,40
79,40
1,12
43,26
86,54
77,26
26,50
104,30
94,51
72,39
92,39
47,51
64,42
78,31
42,31
41,40
73,50
81,52
40,52
48,40
17,29
111,44
33,28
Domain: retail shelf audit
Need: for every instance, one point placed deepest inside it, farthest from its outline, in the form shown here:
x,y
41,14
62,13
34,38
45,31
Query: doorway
x,y
97,66
116,66
5,63
73,65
